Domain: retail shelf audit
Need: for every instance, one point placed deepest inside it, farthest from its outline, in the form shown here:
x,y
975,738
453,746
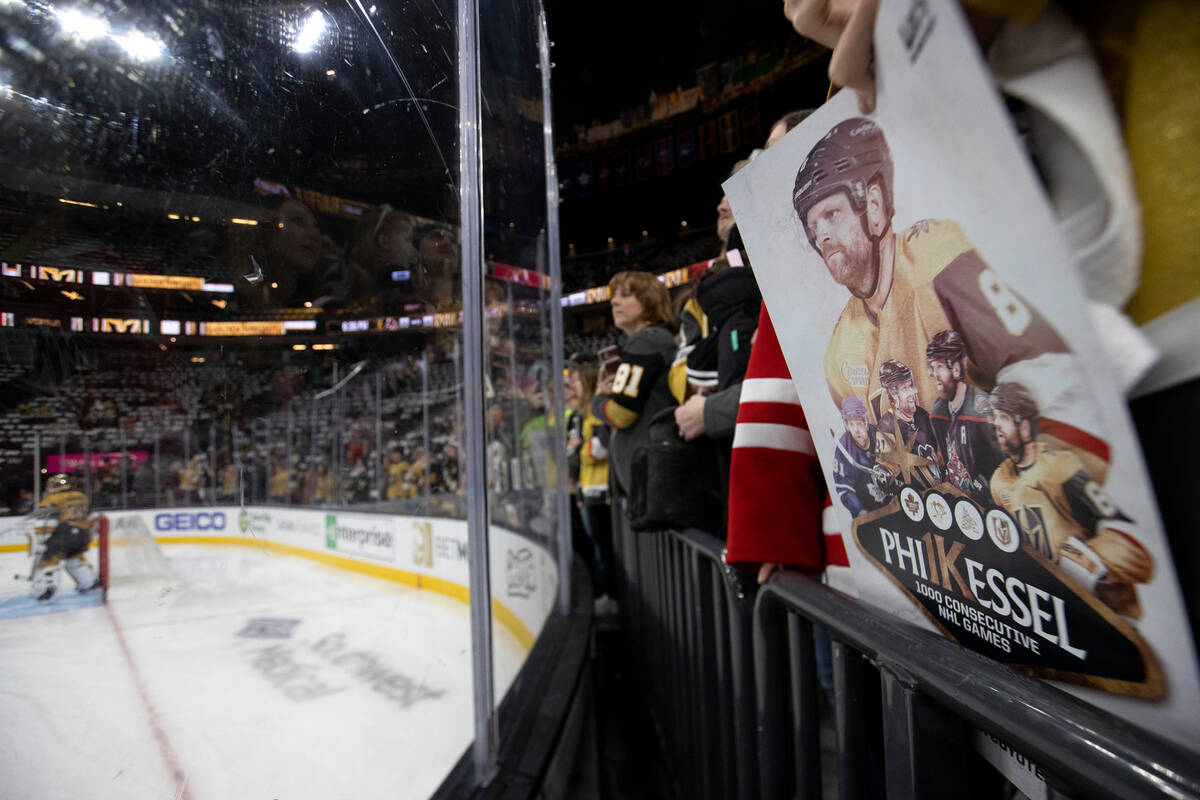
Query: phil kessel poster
x,y
982,463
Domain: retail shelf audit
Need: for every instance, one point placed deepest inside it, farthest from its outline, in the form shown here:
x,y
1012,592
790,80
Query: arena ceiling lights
x,y
84,26
310,32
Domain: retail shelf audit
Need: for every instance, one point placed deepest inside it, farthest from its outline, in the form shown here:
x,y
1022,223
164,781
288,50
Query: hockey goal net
x,y
129,554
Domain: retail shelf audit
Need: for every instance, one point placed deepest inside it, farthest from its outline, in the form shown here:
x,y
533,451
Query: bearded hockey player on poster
x,y
988,483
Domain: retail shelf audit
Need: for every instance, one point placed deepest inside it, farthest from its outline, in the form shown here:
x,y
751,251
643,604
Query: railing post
x,y
770,673
925,747
806,731
742,671
851,733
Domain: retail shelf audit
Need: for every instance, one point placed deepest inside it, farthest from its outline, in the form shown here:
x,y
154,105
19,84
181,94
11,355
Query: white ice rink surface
x,y
161,694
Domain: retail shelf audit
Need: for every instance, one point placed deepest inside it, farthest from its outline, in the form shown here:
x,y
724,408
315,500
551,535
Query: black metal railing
x,y
689,620
731,683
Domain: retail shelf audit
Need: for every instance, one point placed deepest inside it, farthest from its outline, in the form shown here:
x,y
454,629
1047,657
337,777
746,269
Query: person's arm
x,y
721,410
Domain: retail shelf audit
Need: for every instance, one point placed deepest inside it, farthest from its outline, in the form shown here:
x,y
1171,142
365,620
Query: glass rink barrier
x,y
283,491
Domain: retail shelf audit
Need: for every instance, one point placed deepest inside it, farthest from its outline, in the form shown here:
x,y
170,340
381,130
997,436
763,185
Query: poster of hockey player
x,y
986,476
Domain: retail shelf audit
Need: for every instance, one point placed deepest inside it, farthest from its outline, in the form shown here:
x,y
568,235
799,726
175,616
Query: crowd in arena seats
x,y
389,439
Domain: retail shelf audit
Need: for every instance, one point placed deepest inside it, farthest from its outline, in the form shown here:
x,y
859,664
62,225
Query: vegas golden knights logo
x,y
1003,532
423,544
1032,521
914,505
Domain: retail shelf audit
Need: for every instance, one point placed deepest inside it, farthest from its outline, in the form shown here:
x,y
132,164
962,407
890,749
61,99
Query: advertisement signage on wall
x,y
372,536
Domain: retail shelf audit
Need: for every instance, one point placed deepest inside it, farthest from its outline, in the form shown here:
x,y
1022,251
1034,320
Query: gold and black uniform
x,y
1055,500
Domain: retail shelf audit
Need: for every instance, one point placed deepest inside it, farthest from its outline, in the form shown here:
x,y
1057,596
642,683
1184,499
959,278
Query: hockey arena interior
x,y
293,298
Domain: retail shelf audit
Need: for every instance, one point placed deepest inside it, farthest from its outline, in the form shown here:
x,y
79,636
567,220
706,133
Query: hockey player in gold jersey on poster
x,y
924,284
908,286
61,537
1061,510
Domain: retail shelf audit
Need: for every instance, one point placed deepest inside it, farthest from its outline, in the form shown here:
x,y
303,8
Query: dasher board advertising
x,y
985,474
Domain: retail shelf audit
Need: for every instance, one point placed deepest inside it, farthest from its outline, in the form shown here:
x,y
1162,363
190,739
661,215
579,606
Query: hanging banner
x,y
706,134
664,156
604,175
986,477
685,149
730,132
583,178
645,162
751,123
622,169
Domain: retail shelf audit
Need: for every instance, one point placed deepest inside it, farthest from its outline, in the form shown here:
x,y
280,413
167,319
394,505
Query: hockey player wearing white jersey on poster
x,y
61,537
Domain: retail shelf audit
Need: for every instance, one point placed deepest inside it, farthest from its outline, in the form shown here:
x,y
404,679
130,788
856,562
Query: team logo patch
x,y
1003,531
911,501
939,511
968,519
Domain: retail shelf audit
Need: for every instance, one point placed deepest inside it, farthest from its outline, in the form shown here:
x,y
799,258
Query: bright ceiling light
x,y
81,24
310,32
140,46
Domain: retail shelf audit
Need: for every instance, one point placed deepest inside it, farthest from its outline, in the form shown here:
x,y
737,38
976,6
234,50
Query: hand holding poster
x,y
983,467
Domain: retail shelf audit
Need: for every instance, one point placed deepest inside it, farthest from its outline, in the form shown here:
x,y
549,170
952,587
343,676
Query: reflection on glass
x,y
230,298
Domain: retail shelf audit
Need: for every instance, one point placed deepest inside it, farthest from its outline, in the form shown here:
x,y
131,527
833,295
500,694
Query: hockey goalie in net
x,y
60,535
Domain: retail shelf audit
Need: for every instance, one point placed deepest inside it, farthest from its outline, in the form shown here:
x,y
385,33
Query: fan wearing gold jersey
x,y
1062,511
61,539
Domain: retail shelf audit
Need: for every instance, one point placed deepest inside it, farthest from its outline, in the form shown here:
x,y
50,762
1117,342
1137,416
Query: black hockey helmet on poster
x,y
1016,400
847,159
946,346
893,373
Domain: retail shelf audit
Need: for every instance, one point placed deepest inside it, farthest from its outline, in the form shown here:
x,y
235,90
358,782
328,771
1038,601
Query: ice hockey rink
x,y
242,672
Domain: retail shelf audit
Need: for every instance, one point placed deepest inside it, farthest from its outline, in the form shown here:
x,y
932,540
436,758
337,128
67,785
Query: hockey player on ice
x,y
61,538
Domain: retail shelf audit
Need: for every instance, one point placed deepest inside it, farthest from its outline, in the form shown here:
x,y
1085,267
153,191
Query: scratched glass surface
x,y
522,433
229,315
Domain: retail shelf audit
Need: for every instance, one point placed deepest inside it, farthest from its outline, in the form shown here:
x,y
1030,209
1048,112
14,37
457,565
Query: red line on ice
x,y
170,759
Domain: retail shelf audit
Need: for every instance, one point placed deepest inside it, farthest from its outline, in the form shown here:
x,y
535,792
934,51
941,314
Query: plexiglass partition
x,y
271,292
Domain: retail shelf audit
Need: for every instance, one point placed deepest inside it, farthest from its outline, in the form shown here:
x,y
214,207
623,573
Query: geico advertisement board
x,y
190,521
167,523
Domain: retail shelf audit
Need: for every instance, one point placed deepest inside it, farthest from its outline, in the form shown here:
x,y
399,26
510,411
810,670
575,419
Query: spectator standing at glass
x,y
592,494
633,389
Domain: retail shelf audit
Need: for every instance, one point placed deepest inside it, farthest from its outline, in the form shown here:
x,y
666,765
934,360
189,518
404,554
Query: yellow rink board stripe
x,y
501,612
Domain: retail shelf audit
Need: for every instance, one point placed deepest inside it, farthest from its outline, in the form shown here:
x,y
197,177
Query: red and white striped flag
x,y
779,507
